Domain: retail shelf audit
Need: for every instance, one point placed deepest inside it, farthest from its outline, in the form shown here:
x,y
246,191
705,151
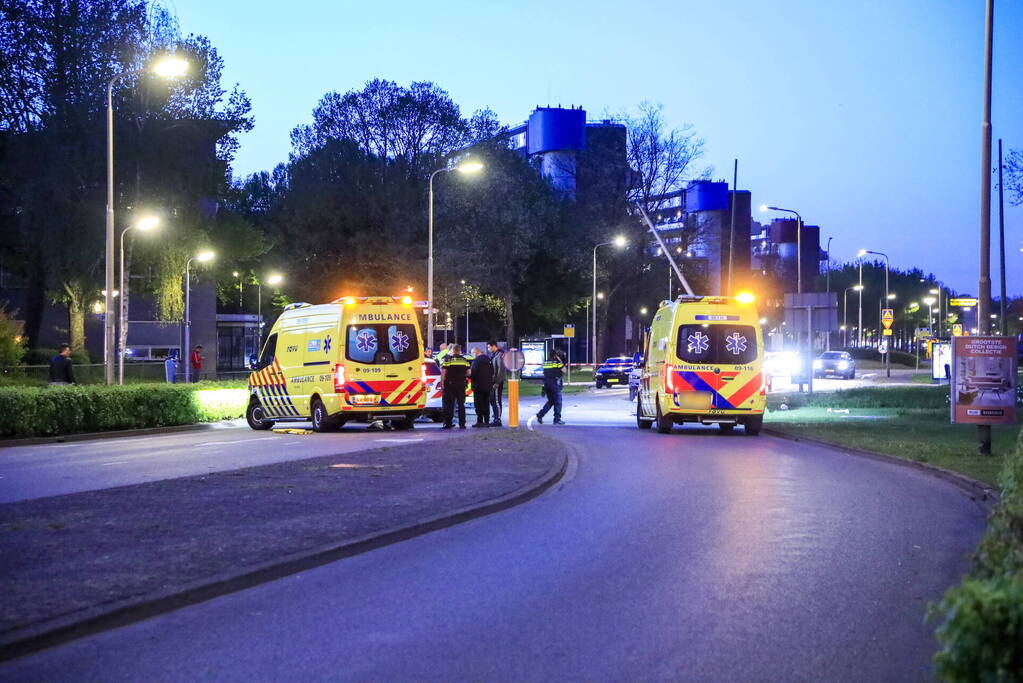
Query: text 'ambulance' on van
x,y
704,364
354,359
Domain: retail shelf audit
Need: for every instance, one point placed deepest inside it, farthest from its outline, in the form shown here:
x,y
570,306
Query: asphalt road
x,y
694,555
55,469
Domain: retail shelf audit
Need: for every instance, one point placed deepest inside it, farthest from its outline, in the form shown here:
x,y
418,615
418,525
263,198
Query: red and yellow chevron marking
x,y
392,392
728,393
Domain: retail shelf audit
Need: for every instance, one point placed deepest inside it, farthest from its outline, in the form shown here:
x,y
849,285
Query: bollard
x,y
513,402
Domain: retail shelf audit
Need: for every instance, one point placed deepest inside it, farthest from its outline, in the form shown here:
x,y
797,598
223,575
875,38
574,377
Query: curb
x,y
113,434
981,493
24,641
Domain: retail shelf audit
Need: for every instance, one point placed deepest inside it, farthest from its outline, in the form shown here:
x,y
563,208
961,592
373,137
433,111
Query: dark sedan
x,y
613,372
835,364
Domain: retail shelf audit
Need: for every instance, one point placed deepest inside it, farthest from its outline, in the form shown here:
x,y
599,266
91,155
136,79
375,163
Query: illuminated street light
x,y
166,67
620,242
799,243
201,257
144,224
463,168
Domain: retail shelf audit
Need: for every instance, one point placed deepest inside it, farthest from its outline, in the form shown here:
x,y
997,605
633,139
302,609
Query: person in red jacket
x,y
196,360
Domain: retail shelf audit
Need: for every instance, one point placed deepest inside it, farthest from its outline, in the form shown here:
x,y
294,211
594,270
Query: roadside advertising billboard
x,y
941,358
535,353
983,380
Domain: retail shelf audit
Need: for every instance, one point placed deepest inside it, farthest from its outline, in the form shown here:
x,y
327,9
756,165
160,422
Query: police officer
x,y
454,369
481,374
552,371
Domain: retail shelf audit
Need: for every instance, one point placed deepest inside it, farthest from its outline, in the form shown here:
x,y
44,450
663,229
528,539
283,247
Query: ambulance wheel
x,y
754,425
725,427
256,418
320,419
642,422
664,422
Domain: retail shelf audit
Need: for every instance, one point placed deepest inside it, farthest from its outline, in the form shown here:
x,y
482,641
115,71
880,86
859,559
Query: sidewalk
x,y
83,562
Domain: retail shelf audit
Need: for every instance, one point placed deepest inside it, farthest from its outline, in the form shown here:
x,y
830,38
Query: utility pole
x,y
1003,325
731,232
984,281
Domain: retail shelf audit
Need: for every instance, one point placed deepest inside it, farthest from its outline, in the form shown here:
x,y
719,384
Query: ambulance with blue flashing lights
x,y
704,364
356,359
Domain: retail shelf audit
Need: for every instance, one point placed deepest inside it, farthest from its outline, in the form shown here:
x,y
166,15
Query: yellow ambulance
x,y
704,364
354,359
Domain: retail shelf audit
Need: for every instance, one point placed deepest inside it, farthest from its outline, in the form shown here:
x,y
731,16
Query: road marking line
x,y
116,462
399,440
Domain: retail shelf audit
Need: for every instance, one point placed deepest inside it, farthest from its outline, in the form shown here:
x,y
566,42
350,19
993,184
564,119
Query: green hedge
x,y
50,411
928,397
981,620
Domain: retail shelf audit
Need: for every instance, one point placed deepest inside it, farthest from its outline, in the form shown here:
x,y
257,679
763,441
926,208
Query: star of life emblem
x,y
735,343
698,343
399,341
366,341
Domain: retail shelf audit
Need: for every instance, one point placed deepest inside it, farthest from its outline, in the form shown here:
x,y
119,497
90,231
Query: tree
x,y
1013,164
52,101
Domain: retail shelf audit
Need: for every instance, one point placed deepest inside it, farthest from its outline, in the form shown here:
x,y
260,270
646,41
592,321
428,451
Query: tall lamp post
x,y
845,309
169,67
464,167
201,257
941,320
620,242
799,243
143,225
273,280
887,265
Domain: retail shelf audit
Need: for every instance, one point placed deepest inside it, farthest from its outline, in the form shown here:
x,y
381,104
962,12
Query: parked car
x,y
835,364
613,371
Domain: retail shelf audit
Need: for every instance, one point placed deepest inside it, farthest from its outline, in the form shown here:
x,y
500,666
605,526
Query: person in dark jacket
x,y
500,375
482,375
552,371
61,370
454,370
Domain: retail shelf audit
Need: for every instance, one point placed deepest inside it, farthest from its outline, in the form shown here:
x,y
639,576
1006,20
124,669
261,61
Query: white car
x,y
434,393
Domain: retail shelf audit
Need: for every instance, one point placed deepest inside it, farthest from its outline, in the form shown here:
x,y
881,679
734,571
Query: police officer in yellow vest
x,y
552,371
454,371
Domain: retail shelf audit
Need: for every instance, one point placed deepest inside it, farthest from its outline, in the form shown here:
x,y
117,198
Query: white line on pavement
x,y
400,440
115,462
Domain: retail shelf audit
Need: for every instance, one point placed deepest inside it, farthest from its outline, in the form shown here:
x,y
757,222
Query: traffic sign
x,y
569,330
957,329
883,346
887,317
887,333
962,301
513,360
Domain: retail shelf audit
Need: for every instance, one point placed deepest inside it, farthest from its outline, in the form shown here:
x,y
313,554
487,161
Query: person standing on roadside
x,y
61,370
444,350
552,371
500,375
454,371
482,375
196,359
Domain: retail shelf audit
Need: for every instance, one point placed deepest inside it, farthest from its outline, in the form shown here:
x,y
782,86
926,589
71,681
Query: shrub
x,y
981,629
12,349
870,353
31,411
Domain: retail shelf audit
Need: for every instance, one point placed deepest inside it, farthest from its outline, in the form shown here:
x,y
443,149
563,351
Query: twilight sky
x,y
864,116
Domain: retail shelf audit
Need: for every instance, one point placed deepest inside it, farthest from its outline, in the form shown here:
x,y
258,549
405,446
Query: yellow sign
x,y
966,302
887,333
957,330
887,317
569,330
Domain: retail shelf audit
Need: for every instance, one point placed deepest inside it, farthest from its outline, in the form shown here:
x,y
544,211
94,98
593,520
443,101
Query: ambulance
x,y
704,364
356,359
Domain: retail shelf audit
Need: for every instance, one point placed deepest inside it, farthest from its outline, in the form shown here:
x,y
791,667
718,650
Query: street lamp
x,y
799,243
941,328
930,313
620,242
273,280
167,67
845,309
463,168
238,275
864,252
144,224
201,257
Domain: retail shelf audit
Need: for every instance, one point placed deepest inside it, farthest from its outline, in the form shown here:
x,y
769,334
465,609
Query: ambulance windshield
x,y
717,343
382,344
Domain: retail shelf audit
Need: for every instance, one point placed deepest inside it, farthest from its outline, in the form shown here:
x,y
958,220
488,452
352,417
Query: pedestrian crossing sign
x,y
887,318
